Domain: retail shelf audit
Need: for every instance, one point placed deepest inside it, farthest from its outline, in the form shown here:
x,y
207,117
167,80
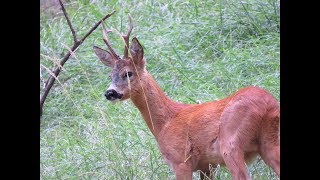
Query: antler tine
x,y
106,40
126,38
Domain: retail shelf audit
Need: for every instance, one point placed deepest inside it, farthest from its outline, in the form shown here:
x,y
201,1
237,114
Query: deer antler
x,y
106,40
126,38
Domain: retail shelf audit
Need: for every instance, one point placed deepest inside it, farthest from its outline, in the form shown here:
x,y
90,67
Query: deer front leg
x,y
183,171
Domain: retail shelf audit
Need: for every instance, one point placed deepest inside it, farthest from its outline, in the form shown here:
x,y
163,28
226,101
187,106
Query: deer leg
x,y
183,171
237,129
270,144
233,157
271,156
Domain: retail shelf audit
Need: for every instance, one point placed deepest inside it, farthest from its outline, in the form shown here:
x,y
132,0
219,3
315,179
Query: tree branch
x,y
76,44
75,39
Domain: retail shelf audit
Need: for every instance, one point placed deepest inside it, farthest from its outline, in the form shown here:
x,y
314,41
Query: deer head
x,y
126,70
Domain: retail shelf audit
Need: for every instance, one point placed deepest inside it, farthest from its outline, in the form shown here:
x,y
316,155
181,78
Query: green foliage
x,y
195,50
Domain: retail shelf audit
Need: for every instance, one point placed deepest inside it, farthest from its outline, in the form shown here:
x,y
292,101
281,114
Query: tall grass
x,y
197,51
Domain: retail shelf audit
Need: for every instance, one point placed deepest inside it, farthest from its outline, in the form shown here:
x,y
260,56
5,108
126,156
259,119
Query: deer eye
x,y
128,74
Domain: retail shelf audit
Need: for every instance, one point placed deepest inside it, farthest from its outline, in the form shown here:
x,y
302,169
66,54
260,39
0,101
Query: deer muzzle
x,y
112,95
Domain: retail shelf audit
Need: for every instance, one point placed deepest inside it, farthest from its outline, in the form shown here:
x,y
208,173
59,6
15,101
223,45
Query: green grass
x,y
195,50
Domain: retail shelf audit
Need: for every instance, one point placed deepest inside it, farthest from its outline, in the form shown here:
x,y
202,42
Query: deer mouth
x,y
113,95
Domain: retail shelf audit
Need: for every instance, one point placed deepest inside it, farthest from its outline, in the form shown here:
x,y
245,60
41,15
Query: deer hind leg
x,y
235,135
270,145
271,156
233,157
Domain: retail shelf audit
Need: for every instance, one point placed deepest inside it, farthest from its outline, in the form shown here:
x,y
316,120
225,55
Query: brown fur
x,y
230,131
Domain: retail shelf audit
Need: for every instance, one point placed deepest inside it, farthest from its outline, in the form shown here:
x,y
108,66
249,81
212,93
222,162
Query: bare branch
x,y
75,39
41,78
95,26
56,72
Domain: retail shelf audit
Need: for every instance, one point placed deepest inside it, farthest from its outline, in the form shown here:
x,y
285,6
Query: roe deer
x,y
231,131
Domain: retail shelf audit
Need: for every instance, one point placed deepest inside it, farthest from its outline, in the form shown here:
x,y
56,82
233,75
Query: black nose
x,y
111,94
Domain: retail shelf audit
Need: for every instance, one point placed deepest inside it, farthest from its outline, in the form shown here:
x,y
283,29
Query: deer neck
x,y
155,107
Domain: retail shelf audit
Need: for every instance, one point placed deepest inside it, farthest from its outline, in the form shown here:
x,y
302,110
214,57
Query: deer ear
x,y
104,56
136,51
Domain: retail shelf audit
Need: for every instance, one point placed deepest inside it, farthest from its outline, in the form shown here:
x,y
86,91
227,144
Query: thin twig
x,y
41,78
56,72
95,26
75,39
